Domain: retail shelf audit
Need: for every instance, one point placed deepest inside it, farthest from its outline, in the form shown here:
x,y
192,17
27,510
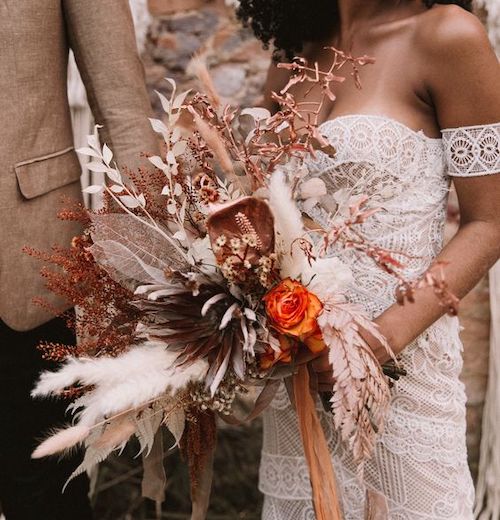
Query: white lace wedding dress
x,y
420,462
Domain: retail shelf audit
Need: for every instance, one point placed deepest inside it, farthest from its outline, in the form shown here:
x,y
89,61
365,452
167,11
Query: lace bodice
x,y
420,460
403,174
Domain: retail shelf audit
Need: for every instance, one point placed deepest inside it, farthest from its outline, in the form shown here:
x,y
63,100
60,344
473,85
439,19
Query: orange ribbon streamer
x,y
324,489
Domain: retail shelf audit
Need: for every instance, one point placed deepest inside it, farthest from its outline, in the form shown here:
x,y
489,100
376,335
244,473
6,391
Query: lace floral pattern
x,y
420,461
402,171
472,150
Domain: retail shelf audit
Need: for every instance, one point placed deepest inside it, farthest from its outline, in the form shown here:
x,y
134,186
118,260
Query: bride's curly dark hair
x,y
288,24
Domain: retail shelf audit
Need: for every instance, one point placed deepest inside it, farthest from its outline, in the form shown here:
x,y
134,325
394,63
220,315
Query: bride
x,y
428,112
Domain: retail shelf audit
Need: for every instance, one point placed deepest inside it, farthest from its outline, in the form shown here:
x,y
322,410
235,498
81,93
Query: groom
x,y
38,166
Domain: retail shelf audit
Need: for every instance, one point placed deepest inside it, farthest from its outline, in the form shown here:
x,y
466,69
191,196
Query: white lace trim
x,y
453,505
433,443
381,140
291,484
472,150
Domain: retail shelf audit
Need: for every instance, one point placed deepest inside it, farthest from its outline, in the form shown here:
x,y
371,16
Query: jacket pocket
x,y
46,173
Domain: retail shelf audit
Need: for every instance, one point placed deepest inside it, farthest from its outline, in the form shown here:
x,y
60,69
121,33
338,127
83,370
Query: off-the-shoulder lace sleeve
x,y
472,150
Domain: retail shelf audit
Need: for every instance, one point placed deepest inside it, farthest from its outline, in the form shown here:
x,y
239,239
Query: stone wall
x,y
181,28
238,65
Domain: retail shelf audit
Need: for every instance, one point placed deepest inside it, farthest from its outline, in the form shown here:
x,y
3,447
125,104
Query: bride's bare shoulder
x,y
458,67
450,29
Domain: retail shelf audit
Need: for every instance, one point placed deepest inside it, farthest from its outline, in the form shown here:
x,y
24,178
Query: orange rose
x,y
293,311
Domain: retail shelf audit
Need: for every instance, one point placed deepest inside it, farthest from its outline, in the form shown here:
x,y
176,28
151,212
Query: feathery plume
x,y
198,67
215,143
61,441
288,224
148,358
127,382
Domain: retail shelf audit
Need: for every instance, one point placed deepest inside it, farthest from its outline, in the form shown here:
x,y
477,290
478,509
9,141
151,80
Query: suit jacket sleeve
x,y
101,34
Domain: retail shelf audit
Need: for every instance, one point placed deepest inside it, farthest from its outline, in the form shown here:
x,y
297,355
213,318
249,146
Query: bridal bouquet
x,y
199,279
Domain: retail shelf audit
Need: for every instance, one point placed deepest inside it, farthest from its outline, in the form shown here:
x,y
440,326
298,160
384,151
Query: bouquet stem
x,y
324,490
201,495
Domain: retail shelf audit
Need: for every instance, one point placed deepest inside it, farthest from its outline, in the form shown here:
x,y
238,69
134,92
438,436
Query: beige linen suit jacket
x,y
38,164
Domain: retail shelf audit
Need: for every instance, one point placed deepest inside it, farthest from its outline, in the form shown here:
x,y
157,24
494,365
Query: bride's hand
x,y
377,348
320,363
323,370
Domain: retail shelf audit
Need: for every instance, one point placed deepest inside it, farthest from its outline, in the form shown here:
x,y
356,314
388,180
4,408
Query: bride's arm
x,y
470,253
464,85
463,78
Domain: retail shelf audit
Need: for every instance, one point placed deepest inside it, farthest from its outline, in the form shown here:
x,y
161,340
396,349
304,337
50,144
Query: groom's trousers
x,y
32,489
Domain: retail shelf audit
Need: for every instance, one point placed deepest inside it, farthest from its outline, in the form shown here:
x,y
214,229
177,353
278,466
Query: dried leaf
x,y
158,162
361,392
97,167
147,425
107,154
117,432
129,202
175,421
88,151
165,103
135,251
94,188
257,113
179,99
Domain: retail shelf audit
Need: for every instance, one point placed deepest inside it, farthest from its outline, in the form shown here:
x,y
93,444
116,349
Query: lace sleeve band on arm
x,y
472,150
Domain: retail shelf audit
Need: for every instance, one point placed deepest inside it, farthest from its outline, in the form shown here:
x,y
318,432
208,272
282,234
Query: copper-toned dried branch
x,y
105,313
435,279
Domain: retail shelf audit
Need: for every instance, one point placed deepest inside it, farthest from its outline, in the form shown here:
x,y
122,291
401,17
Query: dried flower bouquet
x,y
200,279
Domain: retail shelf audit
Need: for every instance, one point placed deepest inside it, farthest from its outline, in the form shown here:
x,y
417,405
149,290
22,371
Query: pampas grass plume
x,y
198,67
288,223
215,143
61,441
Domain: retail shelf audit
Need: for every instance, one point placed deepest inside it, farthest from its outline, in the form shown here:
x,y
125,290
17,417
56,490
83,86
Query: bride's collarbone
x,y
392,86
